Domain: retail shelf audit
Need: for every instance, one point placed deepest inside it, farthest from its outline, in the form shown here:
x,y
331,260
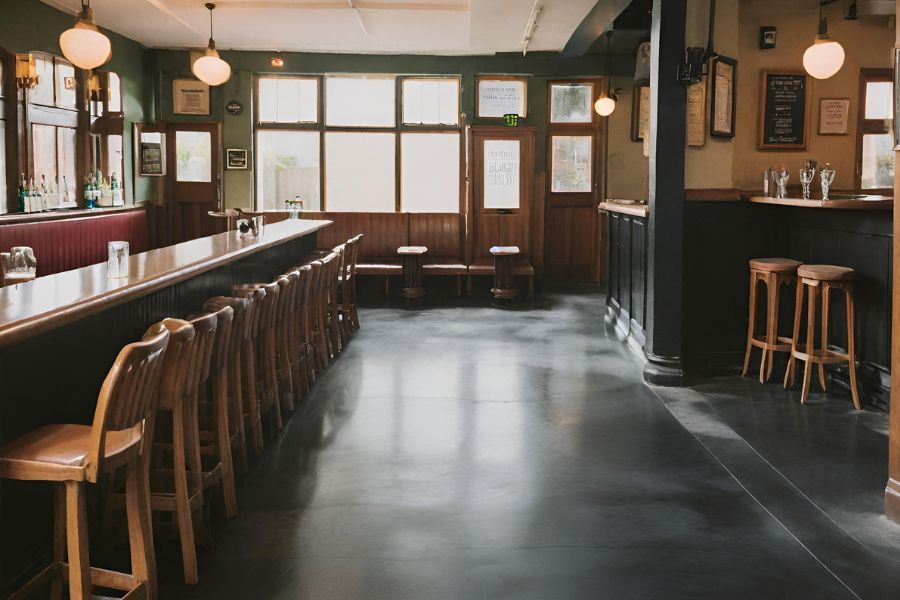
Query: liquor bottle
x,y
23,190
64,198
44,192
88,193
31,202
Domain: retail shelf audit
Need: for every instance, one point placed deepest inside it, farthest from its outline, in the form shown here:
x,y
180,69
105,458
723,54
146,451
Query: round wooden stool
x,y
821,279
773,272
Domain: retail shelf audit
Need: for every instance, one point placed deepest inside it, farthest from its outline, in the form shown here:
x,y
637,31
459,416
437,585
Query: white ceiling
x,y
359,26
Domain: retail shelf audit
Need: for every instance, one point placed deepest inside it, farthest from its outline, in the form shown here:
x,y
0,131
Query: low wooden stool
x,y
69,456
412,271
504,273
821,279
773,272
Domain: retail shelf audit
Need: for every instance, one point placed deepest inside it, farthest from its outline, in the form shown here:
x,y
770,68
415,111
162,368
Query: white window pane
x,y
499,97
2,164
360,101
287,166
65,85
429,172
878,161
288,100
42,93
501,174
65,147
194,152
431,101
43,138
571,162
115,93
359,172
571,103
879,100
114,155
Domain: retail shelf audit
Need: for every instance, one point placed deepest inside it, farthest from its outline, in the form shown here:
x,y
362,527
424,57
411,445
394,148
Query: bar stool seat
x,y
826,273
775,265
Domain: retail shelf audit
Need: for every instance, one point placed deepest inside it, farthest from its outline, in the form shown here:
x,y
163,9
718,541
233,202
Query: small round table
x,y
412,271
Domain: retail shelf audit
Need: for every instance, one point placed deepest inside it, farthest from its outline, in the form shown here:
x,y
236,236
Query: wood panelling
x,y
383,232
442,233
571,243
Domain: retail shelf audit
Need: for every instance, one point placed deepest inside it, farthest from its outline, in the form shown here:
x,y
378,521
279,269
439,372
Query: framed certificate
x,y
722,100
190,97
500,95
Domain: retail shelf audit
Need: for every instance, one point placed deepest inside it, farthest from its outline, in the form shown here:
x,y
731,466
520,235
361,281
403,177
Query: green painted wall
x,y
31,25
238,130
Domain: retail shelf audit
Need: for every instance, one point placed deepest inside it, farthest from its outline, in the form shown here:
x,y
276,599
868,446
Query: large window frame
x,y
870,126
398,129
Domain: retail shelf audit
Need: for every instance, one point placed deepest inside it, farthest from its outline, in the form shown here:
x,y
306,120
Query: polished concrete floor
x,y
468,453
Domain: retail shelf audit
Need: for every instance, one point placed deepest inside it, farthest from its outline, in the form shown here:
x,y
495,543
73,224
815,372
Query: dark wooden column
x,y
666,229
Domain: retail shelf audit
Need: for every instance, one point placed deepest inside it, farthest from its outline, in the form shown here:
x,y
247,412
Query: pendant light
x,y
606,103
825,57
83,45
209,68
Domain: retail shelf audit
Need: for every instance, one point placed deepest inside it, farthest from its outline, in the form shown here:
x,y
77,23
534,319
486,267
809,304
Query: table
x,y
504,277
412,271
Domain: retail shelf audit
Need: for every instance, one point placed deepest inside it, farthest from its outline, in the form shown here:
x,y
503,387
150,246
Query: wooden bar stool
x,y
69,456
248,360
268,392
820,280
504,276
297,332
773,272
412,272
348,285
315,320
284,346
331,266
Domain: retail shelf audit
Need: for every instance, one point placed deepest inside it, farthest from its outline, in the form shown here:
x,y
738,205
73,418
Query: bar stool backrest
x,y
240,324
256,296
205,335
222,343
353,251
126,399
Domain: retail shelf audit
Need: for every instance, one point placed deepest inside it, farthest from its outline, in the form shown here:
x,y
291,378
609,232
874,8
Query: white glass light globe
x,y
605,106
823,59
210,69
84,46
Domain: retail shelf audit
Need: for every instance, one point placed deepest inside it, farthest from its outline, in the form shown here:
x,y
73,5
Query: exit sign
x,y
511,120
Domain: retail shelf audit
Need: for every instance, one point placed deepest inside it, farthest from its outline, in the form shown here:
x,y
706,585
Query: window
x,y
430,101
359,171
875,138
571,158
429,168
106,124
571,102
194,156
360,101
573,132
287,166
288,100
501,174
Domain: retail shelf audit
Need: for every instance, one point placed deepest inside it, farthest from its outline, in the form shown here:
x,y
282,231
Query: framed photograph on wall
x,y
236,159
834,116
190,97
500,95
640,112
723,75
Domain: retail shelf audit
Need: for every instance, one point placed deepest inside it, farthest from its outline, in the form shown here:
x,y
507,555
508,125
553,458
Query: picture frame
x,y
784,108
236,159
834,116
499,95
640,112
190,97
768,37
722,100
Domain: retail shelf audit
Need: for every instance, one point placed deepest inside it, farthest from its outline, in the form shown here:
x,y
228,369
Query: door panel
x,y
194,179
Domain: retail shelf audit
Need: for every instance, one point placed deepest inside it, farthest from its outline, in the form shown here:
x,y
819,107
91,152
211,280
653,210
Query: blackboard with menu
x,y
784,108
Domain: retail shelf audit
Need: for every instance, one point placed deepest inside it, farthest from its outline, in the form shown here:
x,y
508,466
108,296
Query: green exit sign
x,y
511,120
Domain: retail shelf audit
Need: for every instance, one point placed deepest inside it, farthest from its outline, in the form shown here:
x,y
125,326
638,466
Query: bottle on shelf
x,y
23,193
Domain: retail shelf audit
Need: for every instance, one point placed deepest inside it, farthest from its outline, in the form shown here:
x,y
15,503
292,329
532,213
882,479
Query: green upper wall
x,y
31,25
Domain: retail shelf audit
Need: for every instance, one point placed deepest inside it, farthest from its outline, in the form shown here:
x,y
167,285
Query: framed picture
x,y
768,36
236,159
190,97
723,75
834,116
500,95
784,107
640,112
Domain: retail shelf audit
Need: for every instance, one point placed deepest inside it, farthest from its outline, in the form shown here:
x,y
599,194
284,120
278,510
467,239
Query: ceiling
x,y
357,26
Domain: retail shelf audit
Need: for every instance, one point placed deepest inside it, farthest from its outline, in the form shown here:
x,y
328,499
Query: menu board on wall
x,y
784,108
501,174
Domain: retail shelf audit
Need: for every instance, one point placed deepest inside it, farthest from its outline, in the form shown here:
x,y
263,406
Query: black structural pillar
x,y
666,228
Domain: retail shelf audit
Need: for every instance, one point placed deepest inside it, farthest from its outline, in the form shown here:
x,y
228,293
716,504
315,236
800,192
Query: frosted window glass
x,y
877,161
115,93
287,166
431,101
42,92
65,147
501,174
114,156
571,103
879,100
43,138
571,163
194,152
360,101
429,170
359,172
66,95
288,100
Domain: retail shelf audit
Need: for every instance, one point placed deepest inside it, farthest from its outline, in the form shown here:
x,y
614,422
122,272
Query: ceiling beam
x,y
593,26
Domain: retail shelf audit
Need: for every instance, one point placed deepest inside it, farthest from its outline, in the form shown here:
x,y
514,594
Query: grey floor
x,y
472,453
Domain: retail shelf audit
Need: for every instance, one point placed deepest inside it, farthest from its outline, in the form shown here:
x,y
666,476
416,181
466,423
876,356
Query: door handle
x,y
504,211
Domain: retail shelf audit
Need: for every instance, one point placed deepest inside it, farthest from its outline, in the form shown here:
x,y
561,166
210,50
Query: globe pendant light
x,y
825,57
83,45
209,68
606,103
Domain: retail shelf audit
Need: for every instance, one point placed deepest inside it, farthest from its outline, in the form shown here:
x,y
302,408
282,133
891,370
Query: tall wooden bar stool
x,y
504,289
820,280
268,392
233,368
348,285
412,257
69,456
773,272
298,333
248,359
313,314
284,345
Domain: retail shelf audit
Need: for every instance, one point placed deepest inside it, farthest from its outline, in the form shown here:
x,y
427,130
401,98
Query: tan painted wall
x,y
627,169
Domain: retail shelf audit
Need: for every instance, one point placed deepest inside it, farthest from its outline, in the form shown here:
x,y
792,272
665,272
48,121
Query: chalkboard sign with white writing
x,y
784,106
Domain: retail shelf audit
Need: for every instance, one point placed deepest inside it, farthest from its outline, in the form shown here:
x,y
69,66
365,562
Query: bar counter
x,y
60,334
840,201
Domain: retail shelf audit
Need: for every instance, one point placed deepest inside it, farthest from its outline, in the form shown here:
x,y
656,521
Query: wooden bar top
x,y
841,201
628,207
48,302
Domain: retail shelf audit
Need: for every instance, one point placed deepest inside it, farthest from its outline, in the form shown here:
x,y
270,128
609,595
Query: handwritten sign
x,y
785,98
499,97
501,174
834,115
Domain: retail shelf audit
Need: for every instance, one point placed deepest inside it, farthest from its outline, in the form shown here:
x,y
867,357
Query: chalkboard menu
x,y
784,107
